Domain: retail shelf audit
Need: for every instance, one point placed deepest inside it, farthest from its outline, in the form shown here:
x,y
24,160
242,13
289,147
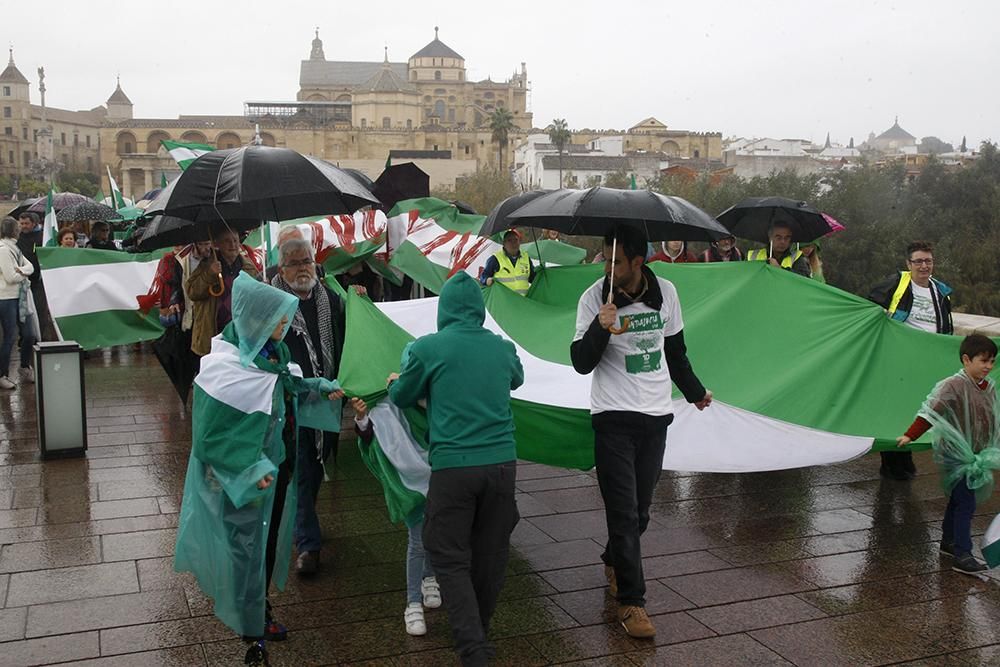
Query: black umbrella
x,y
497,221
60,200
593,212
259,183
23,206
463,207
752,219
362,178
164,231
173,350
401,181
88,210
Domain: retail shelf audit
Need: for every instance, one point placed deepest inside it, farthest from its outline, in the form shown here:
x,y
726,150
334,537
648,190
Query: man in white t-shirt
x,y
923,302
634,345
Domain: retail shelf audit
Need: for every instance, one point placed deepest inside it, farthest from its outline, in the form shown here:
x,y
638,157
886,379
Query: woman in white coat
x,y
14,270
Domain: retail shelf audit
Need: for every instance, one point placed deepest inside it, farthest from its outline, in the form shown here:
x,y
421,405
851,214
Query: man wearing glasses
x,y
923,302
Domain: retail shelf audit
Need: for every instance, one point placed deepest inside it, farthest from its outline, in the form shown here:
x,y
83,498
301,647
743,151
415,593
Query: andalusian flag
x,y
430,241
554,253
50,227
397,457
185,152
991,543
803,373
92,295
163,180
116,194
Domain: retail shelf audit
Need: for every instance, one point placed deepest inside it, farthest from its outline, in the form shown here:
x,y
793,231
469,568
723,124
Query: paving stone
x,y
754,614
745,583
728,650
71,583
48,650
25,556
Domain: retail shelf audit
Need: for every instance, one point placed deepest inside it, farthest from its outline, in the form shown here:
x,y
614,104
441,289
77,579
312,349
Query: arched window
x,y
437,75
267,139
154,139
488,95
194,136
364,123
439,108
125,143
409,123
386,123
228,140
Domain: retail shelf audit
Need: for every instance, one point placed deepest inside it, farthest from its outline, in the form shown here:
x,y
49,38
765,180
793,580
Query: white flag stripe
x,y
472,250
94,288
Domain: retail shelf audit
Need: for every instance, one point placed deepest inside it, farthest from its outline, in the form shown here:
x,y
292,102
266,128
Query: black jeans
x,y
628,468
469,517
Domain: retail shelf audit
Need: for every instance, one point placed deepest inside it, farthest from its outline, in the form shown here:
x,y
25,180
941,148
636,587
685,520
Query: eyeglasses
x,y
297,263
921,262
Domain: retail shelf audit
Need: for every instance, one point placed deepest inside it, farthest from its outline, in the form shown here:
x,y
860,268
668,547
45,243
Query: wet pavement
x,y
825,566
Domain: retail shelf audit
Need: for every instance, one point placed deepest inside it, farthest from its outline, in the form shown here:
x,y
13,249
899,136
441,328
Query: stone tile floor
x,y
825,566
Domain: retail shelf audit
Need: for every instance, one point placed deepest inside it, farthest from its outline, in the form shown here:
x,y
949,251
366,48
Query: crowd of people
x,y
255,473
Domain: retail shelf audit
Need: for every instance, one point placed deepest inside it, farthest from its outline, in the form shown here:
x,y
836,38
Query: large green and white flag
x,y
430,241
397,457
50,226
185,152
92,295
803,373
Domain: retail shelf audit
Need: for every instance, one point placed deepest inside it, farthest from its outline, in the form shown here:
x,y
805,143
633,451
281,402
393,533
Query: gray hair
x,y
293,246
9,228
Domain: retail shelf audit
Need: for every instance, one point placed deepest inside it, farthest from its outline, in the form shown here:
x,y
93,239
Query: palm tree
x,y
501,123
559,135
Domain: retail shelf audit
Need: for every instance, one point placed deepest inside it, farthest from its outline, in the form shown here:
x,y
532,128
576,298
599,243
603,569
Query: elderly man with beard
x,y
315,340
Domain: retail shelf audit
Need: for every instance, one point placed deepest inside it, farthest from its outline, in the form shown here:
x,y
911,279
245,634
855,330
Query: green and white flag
x,y
50,226
991,543
554,253
185,152
397,457
430,241
116,194
814,375
92,295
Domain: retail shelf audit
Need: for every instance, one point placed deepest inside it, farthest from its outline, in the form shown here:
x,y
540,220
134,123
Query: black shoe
x,y
947,549
257,655
307,563
966,564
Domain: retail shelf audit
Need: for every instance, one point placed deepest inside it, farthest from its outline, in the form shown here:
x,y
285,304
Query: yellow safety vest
x,y
514,276
760,255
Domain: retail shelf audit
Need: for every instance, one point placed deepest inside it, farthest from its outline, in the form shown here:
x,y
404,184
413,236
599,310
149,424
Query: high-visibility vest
x,y
897,296
760,255
515,276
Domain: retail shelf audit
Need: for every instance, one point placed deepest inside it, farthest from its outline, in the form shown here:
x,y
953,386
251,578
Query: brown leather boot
x,y
636,622
609,574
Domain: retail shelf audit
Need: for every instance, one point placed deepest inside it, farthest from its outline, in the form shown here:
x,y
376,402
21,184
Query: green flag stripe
x,y
109,327
56,258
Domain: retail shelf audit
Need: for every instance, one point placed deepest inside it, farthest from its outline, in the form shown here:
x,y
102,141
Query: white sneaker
x,y
5,383
432,592
28,375
413,617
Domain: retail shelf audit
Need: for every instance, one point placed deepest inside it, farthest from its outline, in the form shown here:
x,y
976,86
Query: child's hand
x,y
392,378
903,441
360,408
336,395
266,482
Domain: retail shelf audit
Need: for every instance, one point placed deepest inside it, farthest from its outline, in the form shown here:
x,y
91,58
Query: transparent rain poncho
x,y
966,437
237,439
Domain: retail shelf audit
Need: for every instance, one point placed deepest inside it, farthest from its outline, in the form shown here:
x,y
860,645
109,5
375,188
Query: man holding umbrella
x,y
782,256
629,333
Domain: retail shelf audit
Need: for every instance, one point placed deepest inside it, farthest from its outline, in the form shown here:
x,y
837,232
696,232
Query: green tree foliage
x,y
79,182
935,146
482,190
501,123
618,179
559,135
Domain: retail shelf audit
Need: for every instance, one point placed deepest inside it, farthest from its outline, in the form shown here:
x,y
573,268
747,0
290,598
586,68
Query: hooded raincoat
x,y
238,416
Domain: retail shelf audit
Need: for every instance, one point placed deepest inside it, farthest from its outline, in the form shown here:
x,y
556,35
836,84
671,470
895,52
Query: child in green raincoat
x,y
238,511
964,413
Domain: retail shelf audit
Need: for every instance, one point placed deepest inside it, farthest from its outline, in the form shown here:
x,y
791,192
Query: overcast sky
x,y
775,68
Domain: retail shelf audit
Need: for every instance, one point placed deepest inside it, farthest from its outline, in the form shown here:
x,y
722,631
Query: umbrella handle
x,y
221,287
623,328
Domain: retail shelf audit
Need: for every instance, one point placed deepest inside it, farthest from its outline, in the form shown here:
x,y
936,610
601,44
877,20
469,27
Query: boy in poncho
x,y
963,412
237,515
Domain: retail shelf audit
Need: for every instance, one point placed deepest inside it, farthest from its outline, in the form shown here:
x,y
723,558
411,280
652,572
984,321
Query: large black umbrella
x,y
60,200
87,210
401,181
23,206
259,183
497,220
593,212
163,231
361,177
752,219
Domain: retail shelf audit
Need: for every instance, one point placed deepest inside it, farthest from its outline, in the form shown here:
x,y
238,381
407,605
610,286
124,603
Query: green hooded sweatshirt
x,y
466,374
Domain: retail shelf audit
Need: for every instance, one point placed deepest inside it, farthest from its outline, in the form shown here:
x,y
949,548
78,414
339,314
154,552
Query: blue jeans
x,y
418,566
308,536
957,525
10,326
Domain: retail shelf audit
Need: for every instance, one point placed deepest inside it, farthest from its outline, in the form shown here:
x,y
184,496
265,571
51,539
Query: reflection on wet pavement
x,y
821,566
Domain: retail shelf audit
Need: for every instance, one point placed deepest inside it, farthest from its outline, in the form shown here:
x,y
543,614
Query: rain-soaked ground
x,y
811,567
